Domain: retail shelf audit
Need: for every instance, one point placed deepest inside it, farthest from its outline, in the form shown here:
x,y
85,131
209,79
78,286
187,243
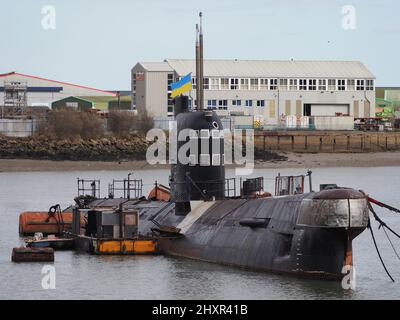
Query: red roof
x,y
66,83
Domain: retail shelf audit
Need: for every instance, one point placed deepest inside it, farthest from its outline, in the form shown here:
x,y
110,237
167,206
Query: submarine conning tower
x,y
199,172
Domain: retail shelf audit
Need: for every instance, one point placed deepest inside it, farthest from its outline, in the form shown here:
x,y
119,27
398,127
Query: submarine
x,y
305,234
201,217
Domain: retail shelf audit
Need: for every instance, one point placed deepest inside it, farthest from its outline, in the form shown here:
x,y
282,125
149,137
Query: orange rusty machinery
x,y
53,221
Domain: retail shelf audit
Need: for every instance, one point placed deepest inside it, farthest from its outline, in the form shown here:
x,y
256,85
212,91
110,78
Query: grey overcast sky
x,y
97,42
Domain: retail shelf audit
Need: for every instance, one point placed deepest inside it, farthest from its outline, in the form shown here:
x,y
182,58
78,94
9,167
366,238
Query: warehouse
x,y
267,89
18,90
73,103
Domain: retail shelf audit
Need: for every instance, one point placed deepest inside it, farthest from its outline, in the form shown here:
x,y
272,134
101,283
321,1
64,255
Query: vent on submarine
x,y
199,172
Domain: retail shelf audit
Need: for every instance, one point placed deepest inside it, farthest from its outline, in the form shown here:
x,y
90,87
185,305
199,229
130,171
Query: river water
x,y
81,276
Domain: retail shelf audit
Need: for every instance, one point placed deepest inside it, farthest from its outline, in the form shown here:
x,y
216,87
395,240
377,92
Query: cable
x,y
380,221
377,250
394,249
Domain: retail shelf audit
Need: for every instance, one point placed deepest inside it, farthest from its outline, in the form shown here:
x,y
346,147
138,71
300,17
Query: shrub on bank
x,y
70,124
122,123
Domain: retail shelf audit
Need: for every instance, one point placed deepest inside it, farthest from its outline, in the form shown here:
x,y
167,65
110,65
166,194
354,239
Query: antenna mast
x,y
197,68
200,77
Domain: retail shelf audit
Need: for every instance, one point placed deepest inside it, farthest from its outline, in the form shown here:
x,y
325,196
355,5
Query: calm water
x,y
80,276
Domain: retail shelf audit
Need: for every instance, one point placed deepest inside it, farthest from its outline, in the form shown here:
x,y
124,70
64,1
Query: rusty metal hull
x,y
306,235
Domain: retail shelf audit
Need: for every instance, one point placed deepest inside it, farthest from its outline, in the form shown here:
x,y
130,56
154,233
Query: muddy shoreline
x,y
294,160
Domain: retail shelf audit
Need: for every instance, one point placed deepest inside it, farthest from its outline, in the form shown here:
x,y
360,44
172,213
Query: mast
x,y
197,68
201,66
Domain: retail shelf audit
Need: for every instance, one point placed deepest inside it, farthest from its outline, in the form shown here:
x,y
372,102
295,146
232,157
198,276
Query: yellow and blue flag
x,y
181,86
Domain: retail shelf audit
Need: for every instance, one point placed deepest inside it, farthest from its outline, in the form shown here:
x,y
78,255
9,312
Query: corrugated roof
x,y
274,69
156,66
55,81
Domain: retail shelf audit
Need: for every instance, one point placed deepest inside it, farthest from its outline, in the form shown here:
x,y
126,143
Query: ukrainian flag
x,y
181,86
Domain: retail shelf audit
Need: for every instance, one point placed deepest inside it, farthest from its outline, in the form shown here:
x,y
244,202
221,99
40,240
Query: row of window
x,y
223,104
286,84
170,80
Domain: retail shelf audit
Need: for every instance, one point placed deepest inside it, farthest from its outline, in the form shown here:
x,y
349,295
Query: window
x,y
212,104
234,84
370,85
332,85
134,91
283,83
293,84
223,104
260,103
170,79
237,103
341,85
351,85
224,83
273,84
360,85
312,84
244,84
253,84
214,83
322,84
263,84
249,103
169,99
194,83
206,83
302,84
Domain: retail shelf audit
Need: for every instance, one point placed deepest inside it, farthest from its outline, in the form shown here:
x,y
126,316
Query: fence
x,y
314,141
17,127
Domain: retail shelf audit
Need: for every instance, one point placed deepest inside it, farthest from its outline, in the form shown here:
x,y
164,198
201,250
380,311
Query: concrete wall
x,y
157,93
294,101
333,123
151,92
17,127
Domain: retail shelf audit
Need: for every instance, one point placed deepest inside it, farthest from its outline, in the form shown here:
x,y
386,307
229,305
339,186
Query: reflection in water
x,y
81,276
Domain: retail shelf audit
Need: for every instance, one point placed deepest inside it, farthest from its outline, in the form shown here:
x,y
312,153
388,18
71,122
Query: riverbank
x,y
293,160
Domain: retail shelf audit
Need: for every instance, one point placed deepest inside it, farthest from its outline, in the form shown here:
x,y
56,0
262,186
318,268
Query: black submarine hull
x,y
305,235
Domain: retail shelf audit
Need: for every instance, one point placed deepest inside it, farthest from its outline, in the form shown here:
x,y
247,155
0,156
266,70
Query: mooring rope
x,y
391,244
381,224
377,250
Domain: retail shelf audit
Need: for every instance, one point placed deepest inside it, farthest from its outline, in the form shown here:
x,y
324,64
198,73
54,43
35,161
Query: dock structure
x,y
326,141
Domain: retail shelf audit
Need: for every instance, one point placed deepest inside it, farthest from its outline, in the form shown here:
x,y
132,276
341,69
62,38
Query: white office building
x,y
267,89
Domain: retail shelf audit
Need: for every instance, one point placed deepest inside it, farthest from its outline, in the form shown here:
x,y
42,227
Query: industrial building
x,y
265,89
18,90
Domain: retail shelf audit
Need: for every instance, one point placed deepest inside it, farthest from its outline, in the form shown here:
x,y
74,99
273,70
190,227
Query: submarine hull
x,y
306,235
